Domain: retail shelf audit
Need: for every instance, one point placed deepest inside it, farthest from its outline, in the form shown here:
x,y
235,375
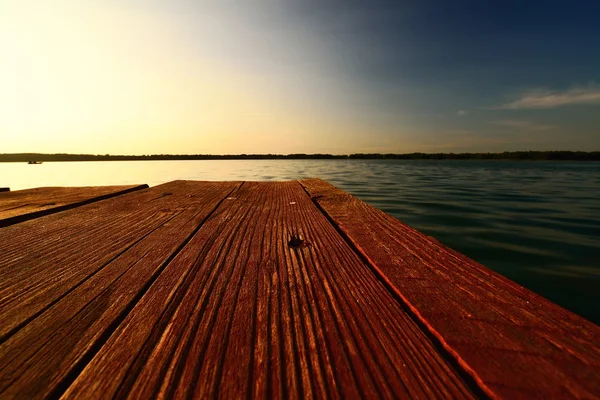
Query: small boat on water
x,y
34,162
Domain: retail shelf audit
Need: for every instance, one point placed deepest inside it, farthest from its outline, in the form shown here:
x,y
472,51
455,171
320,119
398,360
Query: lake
x,y
538,223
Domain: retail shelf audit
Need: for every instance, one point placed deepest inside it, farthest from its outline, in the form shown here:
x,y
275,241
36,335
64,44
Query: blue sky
x,y
497,75
310,76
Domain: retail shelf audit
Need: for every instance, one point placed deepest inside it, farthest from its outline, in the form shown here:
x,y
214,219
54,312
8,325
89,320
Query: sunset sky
x,y
303,76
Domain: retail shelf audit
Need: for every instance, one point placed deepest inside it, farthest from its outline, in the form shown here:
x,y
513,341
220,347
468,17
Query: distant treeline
x,y
507,155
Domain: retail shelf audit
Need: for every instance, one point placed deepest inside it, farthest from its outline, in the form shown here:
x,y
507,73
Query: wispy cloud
x,y
462,113
526,125
544,98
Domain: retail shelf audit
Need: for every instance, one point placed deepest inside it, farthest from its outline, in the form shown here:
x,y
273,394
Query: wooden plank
x,y
42,259
41,355
22,205
514,342
244,311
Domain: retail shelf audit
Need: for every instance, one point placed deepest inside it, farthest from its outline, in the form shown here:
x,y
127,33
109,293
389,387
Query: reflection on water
x,y
536,223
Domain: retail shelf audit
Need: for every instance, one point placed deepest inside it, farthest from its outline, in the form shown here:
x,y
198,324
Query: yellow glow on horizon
x,y
100,77
78,77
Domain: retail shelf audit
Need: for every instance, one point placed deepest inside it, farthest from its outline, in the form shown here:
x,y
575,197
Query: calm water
x,y
536,223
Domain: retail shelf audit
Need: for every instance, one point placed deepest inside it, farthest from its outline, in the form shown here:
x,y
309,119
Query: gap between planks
x,y
114,345
66,382
466,372
516,342
98,341
26,213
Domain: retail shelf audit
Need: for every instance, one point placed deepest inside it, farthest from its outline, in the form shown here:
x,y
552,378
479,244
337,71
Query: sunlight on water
x,y
536,223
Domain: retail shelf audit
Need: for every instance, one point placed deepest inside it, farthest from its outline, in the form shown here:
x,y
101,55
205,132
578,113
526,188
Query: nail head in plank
x,y
261,296
240,312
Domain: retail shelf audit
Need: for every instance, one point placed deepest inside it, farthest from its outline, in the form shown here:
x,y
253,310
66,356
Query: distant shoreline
x,y
504,156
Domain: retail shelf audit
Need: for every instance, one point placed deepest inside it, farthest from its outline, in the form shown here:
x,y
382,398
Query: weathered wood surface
x,y
211,305
21,205
239,312
514,342
201,289
67,279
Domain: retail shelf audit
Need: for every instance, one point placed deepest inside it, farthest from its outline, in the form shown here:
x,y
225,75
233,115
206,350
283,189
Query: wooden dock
x,y
269,290
22,205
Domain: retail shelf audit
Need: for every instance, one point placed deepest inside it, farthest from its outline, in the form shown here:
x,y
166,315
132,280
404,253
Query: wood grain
x,y
514,342
22,205
230,289
239,313
61,297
